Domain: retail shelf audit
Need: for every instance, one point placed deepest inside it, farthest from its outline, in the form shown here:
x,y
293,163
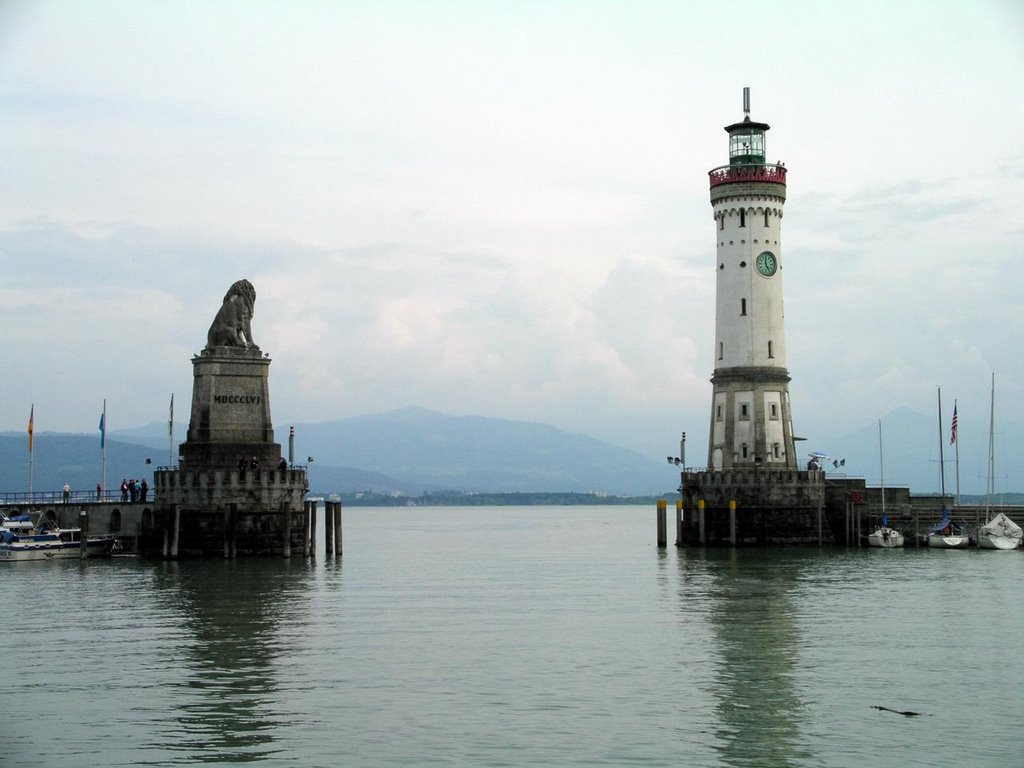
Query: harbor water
x,y
517,636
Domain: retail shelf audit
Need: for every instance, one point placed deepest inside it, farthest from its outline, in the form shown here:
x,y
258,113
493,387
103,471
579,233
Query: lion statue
x,y
232,327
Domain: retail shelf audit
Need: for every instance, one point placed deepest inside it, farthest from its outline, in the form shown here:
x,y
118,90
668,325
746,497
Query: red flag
x,y
952,428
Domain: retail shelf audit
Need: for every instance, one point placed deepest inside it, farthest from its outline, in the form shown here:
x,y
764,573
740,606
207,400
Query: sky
x,y
501,208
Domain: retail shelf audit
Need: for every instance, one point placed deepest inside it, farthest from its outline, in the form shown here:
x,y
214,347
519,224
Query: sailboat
x,y
947,534
999,532
884,536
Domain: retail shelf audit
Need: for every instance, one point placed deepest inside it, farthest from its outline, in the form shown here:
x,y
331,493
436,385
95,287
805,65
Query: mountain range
x,y
411,451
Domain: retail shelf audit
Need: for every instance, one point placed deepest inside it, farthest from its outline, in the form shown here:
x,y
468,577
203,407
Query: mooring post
x,y
328,528
679,522
700,521
662,525
227,532
172,549
286,548
305,528
732,522
819,523
846,522
312,529
83,534
337,528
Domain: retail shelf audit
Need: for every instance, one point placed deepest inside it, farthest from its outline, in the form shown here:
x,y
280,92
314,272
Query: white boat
x,y
884,536
23,539
1000,533
948,534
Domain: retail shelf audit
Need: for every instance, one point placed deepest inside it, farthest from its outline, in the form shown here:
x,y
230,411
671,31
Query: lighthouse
x,y
751,424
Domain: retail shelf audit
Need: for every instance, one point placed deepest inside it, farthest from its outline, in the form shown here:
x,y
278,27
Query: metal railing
x,y
729,174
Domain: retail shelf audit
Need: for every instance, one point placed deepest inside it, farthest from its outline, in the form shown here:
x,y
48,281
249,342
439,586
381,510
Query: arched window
x,y
743,218
766,217
743,309
771,349
721,350
115,520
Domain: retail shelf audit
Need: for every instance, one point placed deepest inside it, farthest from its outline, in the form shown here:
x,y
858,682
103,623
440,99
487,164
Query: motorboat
x,y
21,538
1000,533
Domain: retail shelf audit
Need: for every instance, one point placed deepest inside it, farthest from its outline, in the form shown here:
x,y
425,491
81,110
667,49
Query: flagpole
x,y
956,442
103,447
170,435
31,449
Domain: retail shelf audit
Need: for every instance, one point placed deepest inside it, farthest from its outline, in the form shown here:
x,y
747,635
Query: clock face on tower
x,y
767,263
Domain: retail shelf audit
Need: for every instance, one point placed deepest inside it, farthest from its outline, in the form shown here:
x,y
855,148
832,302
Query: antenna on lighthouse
x,y
746,102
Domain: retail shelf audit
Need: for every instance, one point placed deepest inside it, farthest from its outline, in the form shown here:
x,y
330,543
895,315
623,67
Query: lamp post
x,y
680,461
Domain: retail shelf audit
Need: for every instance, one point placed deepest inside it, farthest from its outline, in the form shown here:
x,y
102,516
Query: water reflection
x,y
233,613
761,718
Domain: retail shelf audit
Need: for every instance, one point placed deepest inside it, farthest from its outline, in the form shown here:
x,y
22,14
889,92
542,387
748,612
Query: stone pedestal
x,y
230,423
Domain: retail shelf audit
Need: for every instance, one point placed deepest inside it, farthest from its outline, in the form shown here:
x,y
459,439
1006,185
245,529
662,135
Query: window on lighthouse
x,y
766,217
743,218
771,348
743,309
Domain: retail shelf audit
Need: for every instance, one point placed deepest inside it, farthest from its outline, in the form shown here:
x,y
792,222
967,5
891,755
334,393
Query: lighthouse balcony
x,y
735,174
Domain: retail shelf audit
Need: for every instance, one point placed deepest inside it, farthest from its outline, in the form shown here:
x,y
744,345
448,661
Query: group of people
x,y
251,462
132,491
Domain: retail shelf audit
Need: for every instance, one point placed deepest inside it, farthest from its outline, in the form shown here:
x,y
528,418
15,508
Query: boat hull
x,y
54,550
997,542
948,541
886,538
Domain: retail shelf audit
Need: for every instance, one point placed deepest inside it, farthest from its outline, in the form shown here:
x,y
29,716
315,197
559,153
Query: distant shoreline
x,y
470,499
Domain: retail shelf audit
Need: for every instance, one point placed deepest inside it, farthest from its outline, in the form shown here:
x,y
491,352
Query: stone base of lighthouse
x,y
754,506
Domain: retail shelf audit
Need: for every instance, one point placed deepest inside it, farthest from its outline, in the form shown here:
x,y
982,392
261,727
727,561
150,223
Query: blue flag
x,y
103,429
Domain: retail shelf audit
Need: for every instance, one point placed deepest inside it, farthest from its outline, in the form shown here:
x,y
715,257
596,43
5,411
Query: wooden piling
x,y
337,528
83,535
312,529
172,547
286,547
732,522
700,521
679,522
328,528
662,526
230,532
305,528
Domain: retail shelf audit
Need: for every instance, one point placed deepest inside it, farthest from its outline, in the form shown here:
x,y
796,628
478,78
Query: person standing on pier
x,y
67,493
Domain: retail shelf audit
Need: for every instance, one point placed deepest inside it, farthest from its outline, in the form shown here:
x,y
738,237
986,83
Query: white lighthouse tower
x,y
751,425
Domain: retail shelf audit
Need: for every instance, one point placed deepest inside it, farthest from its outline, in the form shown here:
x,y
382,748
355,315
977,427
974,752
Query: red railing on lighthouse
x,y
730,174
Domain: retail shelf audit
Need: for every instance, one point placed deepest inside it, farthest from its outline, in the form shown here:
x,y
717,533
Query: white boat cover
x,y
1001,525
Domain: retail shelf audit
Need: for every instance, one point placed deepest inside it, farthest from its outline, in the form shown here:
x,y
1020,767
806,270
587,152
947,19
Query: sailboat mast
x,y
991,485
881,469
942,460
